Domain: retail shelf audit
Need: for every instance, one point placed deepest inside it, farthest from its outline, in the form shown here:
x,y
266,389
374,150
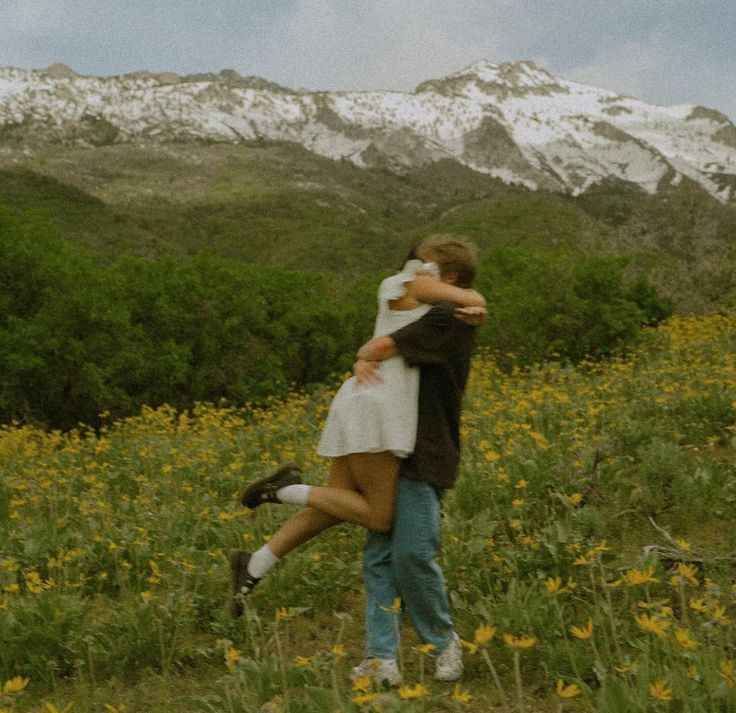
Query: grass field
x,y
588,549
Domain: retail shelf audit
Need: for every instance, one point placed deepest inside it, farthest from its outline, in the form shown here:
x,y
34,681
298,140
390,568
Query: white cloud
x,y
660,72
382,44
33,17
666,52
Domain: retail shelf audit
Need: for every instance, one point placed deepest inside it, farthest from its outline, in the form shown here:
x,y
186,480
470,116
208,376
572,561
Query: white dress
x,y
380,417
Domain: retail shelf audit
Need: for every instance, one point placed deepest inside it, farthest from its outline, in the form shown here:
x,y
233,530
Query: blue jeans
x,y
404,564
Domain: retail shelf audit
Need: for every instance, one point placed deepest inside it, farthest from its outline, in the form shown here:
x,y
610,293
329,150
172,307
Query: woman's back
x,y
382,416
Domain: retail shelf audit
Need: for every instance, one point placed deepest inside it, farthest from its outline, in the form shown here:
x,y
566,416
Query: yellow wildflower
x,y
554,585
520,642
687,573
600,547
15,685
634,577
338,650
470,646
683,544
726,670
652,625
684,640
410,693
584,633
363,699
574,499
363,683
283,613
34,583
459,695
539,439
304,661
583,560
427,648
699,605
484,633
51,708
567,691
659,691
232,656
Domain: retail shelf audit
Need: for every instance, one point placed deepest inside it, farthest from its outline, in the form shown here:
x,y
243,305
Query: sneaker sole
x,y
288,474
448,678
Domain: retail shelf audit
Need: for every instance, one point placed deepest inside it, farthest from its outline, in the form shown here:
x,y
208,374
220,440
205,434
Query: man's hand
x,y
472,316
366,372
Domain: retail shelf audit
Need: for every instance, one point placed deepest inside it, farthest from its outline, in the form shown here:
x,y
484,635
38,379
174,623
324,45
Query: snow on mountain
x,y
514,121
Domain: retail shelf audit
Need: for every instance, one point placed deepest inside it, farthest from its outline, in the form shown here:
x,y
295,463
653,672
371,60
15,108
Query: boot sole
x,y
237,560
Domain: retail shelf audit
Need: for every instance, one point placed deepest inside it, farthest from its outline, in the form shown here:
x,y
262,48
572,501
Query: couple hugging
x,y
393,436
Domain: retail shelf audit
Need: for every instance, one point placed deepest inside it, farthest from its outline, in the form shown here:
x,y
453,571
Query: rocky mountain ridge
x,y
514,121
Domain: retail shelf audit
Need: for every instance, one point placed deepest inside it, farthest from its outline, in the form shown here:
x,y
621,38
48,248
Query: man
x,y
403,564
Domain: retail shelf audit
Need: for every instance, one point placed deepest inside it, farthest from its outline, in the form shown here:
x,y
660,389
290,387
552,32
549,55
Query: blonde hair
x,y
451,253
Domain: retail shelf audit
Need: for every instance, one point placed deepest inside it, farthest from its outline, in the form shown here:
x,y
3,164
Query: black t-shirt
x,y
441,346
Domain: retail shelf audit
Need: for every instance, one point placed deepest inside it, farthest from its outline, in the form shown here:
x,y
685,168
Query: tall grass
x,y
587,549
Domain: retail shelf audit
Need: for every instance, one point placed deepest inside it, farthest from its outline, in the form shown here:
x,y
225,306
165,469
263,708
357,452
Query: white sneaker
x,y
379,670
449,666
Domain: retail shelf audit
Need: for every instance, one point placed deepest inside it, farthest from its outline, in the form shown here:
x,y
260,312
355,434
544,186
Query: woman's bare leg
x,y
370,501
361,490
309,522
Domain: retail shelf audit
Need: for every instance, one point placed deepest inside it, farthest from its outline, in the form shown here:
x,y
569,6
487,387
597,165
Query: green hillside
x,y
278,204
140,275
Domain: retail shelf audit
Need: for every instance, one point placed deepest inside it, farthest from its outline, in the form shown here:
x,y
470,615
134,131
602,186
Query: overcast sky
x,y
661,51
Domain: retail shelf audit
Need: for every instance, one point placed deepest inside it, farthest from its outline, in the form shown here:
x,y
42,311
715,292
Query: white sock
x,y
261,562
297,494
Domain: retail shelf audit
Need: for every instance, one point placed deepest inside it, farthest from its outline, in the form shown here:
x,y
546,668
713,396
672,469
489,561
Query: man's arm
x,y
378,349
421,342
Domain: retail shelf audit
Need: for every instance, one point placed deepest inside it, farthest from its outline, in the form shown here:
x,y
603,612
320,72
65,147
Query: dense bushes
x,y
550,304
78,338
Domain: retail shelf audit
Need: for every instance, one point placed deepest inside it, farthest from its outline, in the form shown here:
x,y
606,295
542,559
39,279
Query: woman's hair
x,y
412,255
451,253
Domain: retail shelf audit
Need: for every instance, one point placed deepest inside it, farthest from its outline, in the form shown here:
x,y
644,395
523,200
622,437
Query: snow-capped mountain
x,y
514,121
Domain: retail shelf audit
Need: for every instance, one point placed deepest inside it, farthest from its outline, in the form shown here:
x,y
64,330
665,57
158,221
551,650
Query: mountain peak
x,y
496,79
522,72
59,70
512,120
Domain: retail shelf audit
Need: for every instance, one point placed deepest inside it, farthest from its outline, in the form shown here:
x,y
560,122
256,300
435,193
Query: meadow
x,y
589,549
